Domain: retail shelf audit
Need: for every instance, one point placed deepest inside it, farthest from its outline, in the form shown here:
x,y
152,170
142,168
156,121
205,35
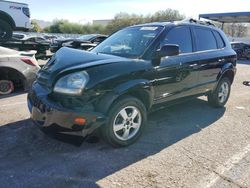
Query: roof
x,y
181,22
231,17
14,2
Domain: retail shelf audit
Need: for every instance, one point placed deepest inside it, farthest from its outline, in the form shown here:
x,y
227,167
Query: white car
x,y
17,70
13,16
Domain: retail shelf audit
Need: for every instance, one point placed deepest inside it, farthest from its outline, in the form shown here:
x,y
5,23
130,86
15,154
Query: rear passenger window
x,y
180,36
205,39
220,41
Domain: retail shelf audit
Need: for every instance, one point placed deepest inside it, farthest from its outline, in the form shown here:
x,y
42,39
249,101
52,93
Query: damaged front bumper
x,y
52,117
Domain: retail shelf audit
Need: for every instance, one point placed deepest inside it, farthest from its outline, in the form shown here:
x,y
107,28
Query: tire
x,y
6,87
219,97
5,31
130,128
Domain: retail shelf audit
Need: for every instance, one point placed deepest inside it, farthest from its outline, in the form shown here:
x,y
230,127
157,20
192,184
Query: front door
x,y
177,75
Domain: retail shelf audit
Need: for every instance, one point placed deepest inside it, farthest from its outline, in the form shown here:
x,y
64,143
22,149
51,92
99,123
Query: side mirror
x,y
169,50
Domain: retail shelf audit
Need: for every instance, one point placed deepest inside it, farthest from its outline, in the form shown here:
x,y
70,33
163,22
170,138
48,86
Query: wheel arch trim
x,y
20,74
228,68
141,89
7,17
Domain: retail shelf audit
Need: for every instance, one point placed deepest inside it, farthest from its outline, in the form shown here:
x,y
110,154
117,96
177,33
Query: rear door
x,y
209,46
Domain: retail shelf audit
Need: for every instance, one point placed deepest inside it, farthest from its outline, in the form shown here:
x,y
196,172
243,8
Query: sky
x,y
83,11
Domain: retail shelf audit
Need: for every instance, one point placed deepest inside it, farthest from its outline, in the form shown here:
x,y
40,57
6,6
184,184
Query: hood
x,y
68,59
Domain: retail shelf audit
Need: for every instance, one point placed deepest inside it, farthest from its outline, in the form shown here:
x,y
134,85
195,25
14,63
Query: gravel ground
x,y
187,145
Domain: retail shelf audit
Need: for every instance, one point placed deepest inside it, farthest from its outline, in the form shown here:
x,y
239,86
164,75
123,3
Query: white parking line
x,y
226,167
13,104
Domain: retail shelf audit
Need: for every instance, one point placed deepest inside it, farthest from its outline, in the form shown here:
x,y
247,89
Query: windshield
x,y
129,42
235,45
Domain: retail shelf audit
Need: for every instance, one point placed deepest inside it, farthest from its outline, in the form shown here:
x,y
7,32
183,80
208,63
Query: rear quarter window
x,y
205,39
219,39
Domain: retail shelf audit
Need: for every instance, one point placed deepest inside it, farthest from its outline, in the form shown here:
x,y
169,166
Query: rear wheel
x,y
6,87
126,121
5,31
219,97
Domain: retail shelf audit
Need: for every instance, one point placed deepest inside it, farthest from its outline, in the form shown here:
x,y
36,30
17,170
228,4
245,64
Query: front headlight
x,y
72,84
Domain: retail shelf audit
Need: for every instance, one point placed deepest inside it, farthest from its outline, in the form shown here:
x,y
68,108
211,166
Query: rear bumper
x,y
52,118
30,78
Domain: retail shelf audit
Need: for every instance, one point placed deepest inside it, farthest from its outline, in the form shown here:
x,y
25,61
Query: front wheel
x,y
126,121
219,97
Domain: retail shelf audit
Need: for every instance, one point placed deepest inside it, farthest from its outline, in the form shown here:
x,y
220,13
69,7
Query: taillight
x,y
28,61
26,11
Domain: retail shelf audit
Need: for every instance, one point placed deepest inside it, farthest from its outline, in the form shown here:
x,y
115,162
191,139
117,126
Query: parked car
x,y
13,17
27,43
242,49
18,36
135,70
17,70
56,44
49,38
246,53
85,42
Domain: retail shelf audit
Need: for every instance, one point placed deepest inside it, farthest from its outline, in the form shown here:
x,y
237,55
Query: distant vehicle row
x,y
24,42
84,42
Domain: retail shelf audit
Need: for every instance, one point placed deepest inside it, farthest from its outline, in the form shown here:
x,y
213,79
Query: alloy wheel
x,y
223,92
127,123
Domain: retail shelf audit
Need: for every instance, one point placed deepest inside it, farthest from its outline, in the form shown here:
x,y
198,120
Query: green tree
x,y
235,29
35,27
166,16
122,20
64,26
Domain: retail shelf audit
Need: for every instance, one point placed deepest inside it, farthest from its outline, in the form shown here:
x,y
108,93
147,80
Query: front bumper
x,y
53,118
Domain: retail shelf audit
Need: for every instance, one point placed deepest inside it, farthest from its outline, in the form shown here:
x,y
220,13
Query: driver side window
x,y
181,36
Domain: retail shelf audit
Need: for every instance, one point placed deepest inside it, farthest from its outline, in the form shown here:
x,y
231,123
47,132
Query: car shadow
x,y
29,157
15,93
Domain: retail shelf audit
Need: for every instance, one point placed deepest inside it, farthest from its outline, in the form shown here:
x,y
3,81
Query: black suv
x,y
113,87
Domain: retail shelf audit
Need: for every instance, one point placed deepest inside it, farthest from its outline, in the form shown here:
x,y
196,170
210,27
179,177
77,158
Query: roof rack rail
x,y
199,22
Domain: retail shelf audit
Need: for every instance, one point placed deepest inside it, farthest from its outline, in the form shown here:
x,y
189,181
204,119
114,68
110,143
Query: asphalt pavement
x,y
186,145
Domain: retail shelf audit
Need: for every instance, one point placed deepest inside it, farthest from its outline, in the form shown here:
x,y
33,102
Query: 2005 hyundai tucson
x,y
136,69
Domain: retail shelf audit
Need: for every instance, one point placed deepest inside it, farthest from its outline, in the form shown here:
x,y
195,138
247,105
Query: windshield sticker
x,y
149,28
